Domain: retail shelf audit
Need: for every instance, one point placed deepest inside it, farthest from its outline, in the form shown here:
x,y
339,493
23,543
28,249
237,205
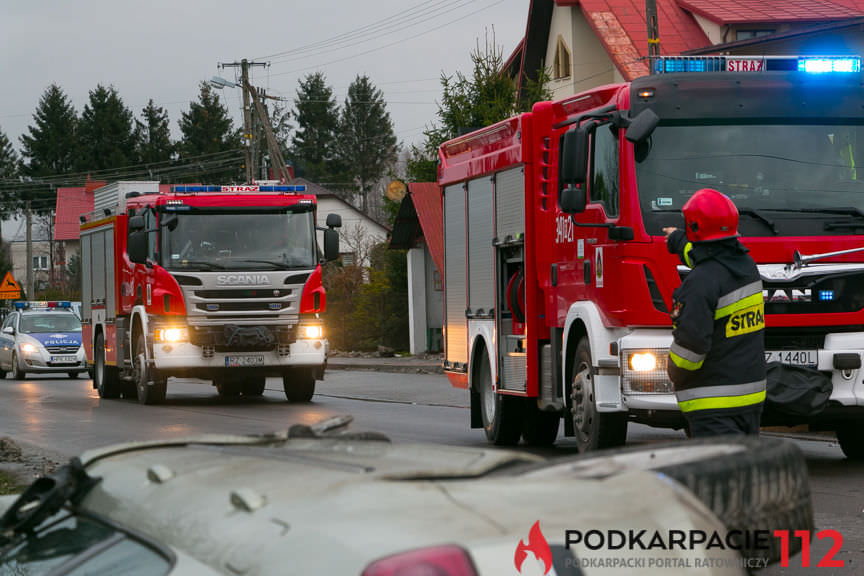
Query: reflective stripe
x,y
686,353
749,301
687,248
722,402
716,391
738,294
683,363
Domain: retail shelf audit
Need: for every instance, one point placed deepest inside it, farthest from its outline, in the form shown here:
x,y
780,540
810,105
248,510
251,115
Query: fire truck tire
x,y
502,415
254,386
148,393
17,372
228,387
299,385
594,430
851,439
539,428
105,378
750,483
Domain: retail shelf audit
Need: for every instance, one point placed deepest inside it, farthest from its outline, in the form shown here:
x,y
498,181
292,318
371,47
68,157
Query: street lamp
x,y
219,82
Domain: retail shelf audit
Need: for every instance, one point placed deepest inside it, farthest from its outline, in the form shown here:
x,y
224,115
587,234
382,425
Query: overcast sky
x,y
162,49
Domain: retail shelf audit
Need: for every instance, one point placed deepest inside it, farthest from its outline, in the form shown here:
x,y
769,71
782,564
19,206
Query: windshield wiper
x,y
759,216
276,264
206,263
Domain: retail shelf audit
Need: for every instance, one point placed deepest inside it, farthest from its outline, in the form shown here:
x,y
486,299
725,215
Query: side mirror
x,y
642,126
334,221
574,154
136,223
136,247
169,222
9,330
331,243
573,200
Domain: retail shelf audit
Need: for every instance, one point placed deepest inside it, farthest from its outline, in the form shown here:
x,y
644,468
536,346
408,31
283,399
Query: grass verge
x,y
9,485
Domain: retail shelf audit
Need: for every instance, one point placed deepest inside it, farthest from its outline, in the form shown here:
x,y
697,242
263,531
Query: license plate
x,y
64,359
232,361
797,357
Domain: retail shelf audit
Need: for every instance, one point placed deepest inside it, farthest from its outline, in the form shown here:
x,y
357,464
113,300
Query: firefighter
x,y
717,358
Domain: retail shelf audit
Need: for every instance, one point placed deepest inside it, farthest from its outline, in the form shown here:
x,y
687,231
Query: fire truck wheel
x,y
17,372
851,440
502,414
594,430
105,378
539,428
254,386
148,393
299,385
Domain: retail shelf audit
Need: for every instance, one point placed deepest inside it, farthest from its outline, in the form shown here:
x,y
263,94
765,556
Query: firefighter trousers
x,y
705,423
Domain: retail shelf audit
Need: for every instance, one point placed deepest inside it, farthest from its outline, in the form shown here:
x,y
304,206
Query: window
x,y
348,259
437,285
561,68
40,262
747,34
604,169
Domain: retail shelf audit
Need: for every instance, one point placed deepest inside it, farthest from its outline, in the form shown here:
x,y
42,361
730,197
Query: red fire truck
x,y
215,282
557,277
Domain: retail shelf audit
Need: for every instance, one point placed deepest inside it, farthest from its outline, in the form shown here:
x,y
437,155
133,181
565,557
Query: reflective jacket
x,y
717,358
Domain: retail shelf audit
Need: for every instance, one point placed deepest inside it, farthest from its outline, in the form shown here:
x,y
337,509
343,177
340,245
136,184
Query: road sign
x,y
9,288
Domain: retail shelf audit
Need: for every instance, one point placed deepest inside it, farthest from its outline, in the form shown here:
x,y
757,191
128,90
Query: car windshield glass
x,y
785,179
231,241
35,323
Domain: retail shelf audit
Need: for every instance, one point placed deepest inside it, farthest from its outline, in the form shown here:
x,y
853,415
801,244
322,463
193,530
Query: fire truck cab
x,y
215,282
558,283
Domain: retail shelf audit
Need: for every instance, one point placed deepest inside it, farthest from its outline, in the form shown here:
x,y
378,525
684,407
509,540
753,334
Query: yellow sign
x,y
746,321
9,288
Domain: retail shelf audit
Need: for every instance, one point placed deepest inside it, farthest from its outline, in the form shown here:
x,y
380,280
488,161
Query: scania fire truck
x,y
221,283
557,277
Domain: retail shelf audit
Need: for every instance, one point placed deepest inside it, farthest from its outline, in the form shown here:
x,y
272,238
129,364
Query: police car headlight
x,y
312,331
179,334
28,348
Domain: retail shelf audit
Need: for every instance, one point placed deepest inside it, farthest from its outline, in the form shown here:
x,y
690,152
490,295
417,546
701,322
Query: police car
x,y
41,337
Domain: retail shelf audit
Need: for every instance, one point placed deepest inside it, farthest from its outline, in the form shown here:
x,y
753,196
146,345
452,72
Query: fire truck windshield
x,y
786,180
222,240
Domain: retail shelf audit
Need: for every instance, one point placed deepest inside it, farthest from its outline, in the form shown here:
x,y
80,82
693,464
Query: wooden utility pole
x,y
29,266
248,131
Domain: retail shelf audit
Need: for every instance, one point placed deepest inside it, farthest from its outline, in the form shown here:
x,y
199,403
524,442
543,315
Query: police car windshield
x,y
50,322
217,240
789,175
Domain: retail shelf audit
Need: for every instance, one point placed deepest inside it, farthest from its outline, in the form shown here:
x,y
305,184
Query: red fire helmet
x,y
710,215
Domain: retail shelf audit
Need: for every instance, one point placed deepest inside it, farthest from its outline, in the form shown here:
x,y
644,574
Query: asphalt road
x,y
62,418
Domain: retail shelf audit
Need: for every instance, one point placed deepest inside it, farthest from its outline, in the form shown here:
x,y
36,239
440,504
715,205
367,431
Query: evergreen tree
x,y
317,116
210,140
467,103
153,136
367,142
9,170
50,147
105,137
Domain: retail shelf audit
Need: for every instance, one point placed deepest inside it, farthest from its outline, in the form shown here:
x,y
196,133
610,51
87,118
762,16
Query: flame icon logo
x,y
538,545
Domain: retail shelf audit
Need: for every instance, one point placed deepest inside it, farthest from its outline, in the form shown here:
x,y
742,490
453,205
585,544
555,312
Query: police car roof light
x,y
47,304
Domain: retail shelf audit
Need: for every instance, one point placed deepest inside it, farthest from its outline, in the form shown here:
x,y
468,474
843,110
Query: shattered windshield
x,y
785,179
218,240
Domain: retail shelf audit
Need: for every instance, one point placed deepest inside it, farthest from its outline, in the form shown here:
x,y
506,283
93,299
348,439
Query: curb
x,y
397,369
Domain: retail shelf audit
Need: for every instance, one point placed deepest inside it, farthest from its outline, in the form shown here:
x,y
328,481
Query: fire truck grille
x,y
236,338
62,349
244,293
242,306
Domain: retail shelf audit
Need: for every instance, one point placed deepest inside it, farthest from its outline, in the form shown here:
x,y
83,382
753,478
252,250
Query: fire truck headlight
x,y
312,331
643,362
644,371
172,334
28,348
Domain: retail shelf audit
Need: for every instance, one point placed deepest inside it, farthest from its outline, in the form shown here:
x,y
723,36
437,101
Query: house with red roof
x,y
588,43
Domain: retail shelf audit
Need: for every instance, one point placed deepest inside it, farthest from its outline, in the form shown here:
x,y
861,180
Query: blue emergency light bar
x,y
239,188
806,64
25,305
